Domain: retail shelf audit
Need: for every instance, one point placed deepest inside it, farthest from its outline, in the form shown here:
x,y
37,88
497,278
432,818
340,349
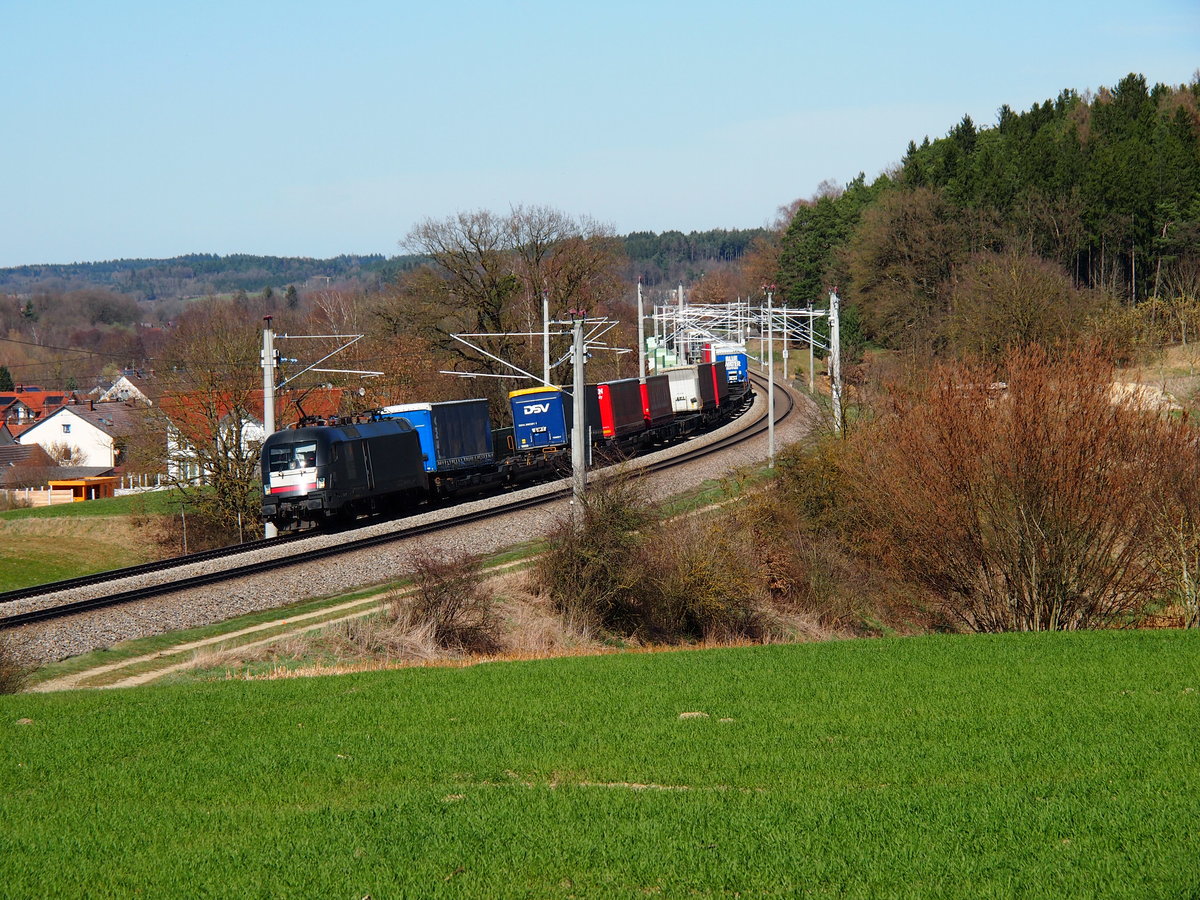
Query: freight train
x,y
402,456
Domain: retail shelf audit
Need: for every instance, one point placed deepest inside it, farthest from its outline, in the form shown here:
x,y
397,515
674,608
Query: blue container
x,y
736,367
540,420
454,435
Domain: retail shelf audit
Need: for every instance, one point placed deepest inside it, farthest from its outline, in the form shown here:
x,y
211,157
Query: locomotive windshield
x,y
293,456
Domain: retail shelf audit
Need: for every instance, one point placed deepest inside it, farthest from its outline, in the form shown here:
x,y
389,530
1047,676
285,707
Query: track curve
x,y
748,426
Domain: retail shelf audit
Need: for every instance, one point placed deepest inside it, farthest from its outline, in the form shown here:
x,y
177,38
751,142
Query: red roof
x,y
188,412
39,402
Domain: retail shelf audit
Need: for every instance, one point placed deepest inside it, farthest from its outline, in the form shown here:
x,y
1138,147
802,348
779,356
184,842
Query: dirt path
x,y
76,679
363,606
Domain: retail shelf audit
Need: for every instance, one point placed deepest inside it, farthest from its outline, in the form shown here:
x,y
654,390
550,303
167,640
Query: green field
x,y
949,766
148,503
50,543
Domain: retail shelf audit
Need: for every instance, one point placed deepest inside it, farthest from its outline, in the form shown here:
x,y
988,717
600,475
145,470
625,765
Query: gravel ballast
x,y
61,638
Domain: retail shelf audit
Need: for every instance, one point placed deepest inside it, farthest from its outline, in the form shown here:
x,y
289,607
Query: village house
x,y
129,388
24,467
231,423
91,435
21,408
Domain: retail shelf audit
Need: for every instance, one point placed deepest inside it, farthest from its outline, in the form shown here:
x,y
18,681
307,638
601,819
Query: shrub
x,y
699,580
588,568
12,500
450,601
1023,497
799,530
621,570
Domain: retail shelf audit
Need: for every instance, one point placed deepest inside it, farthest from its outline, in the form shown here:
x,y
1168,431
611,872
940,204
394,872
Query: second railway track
x,y
101,592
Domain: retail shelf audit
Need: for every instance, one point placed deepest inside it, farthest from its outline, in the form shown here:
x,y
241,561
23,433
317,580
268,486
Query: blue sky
x,y
151,129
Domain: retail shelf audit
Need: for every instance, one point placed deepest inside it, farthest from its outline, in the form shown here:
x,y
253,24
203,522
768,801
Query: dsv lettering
x,y
537,408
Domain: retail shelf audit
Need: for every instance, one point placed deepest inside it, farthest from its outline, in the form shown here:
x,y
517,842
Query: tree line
x,y
1052,223
657,258
198,274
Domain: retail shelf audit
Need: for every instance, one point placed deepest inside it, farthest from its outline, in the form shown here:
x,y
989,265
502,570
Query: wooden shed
x,y
91,488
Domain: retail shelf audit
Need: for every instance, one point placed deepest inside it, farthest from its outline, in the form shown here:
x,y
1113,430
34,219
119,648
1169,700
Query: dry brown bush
x,y
801,532
11,499
622,571
1035,506
699,580
586,569
451,602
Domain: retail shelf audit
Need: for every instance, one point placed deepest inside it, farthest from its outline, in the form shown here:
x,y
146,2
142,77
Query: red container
x,y
656,400
621,407
721,382
708,384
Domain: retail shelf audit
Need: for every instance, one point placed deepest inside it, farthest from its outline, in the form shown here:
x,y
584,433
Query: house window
x,y
66,428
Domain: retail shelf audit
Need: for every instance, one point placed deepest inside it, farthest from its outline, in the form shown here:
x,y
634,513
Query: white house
x,y
183,462
96,430
127,388
240,433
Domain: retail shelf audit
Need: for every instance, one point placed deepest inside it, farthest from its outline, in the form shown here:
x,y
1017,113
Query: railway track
x,y
524,499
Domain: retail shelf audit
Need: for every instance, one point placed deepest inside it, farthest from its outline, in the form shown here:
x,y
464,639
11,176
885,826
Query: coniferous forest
x,y
1080,215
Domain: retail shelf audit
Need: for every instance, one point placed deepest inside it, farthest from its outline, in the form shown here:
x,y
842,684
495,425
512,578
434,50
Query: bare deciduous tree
x,y
1035,506
488,275
65,454
212,398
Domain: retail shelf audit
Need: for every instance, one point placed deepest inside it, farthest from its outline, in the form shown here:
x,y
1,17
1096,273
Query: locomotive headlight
x,y
320,484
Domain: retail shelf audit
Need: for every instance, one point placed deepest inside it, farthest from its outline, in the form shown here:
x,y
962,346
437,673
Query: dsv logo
x,y
533,408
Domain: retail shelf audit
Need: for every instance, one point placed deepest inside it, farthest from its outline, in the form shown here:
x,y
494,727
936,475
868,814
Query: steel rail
x,y
158,565
752,429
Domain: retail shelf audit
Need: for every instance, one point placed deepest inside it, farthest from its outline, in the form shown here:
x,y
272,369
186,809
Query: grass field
x,y
36,550
50,543
1023,765
148,503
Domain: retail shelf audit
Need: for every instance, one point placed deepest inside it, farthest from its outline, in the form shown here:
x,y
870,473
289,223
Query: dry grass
x,y
36,550
1174,370
450,604
530,628
702,581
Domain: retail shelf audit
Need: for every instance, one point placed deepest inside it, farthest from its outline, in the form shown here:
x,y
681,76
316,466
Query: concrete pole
x,y
641,313
786,371
835,358
681,346
579,430
811,355
268,364
546,338
762,332
770,387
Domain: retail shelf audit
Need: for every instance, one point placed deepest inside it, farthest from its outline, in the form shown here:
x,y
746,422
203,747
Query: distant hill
x,y
200,274
657,258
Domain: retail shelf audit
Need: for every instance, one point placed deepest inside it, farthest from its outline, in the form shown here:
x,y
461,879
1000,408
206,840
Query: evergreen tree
x,y
6,379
